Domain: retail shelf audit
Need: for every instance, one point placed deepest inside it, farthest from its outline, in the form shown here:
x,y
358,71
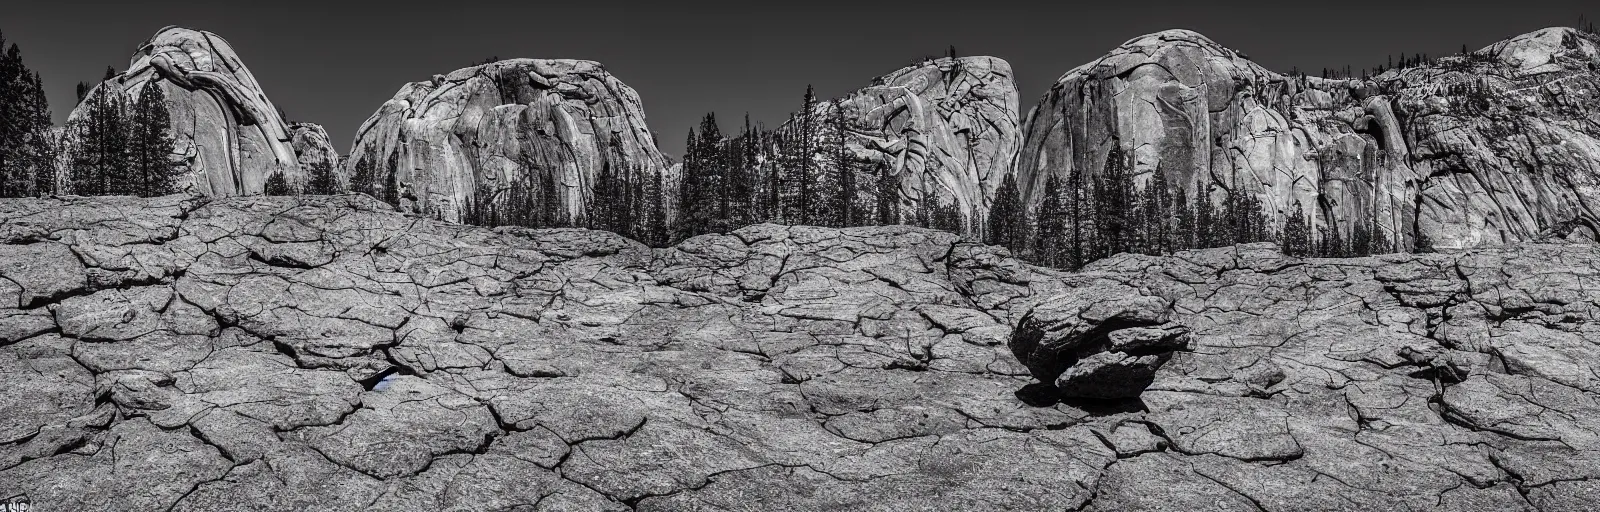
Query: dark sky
x,y
333,62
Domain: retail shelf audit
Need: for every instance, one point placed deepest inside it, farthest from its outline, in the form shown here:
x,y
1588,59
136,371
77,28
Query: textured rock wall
x,y
313,147
224,126
325,352
947,128
510,121
1410,150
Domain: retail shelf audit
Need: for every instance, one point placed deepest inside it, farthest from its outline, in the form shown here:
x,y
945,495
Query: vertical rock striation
x,y
225,128
946,127
1485,148
487,128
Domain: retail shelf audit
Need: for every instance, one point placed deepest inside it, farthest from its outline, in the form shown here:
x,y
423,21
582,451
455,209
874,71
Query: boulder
x,y
314,150
1102,341
514,128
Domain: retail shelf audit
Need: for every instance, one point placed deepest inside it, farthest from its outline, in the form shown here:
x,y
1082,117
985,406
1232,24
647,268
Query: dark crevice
x,y
371,383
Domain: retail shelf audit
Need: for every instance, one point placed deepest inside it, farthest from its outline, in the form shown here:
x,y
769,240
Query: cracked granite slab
x,y
328,353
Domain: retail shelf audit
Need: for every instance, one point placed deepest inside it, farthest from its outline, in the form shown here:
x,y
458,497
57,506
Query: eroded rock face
x,y
225,128
1495,147
947,128
491,127
312,147
272,353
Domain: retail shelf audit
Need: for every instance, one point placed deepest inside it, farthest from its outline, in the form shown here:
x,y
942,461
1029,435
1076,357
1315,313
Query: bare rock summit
x,y
493,131
946,127
226,130
313,147
1495,146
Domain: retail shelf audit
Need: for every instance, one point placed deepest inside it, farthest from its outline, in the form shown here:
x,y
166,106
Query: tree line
x,y
1081,219
118,145
802,173
27,147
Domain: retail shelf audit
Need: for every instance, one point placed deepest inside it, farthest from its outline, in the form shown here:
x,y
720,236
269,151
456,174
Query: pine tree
x,y
1156,204
391,182
1115,205
1360,243
154,169
689,189
1051,225
1206,234
27,151
1006,217
1184,230
774,177
701,202
364,177
41,143
277,185
844,172
1296,237
744,176
888,196
99,164
657,230
12,121
599,210
807,151
1073,212
544,206
116,171
322,180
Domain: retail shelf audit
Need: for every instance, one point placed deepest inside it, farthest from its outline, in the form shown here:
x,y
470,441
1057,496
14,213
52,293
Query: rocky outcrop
x,y
225,129
312,147
1471,150
1461,381
947,127
271,353
487,129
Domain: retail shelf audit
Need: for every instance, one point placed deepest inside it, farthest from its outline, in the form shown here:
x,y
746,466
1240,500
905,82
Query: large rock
x,y
226,130
489,128
293,353
1492,147
947,127
313,147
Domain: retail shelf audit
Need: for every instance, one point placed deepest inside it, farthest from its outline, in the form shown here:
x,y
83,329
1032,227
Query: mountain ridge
x,y
1354,151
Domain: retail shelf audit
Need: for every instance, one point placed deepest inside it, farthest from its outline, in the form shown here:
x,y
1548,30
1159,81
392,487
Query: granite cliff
x,y
293,353
225,129
312,147
489,128
1496,146
947,127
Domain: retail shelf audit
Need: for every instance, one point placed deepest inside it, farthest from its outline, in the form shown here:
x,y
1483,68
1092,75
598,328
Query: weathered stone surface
x,y
226,130
947,127
328,353
313,147
487,128
1104,340
1483,149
